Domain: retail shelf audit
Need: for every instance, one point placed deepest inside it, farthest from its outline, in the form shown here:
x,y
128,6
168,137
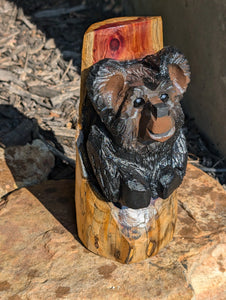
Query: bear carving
x,y
135,145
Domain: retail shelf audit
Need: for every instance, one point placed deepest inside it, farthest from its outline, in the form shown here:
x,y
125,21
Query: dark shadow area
x,y
17,130
58,198
56,195
66,21
202,153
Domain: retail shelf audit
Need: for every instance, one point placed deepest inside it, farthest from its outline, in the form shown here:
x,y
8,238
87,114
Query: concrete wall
x,y
197,28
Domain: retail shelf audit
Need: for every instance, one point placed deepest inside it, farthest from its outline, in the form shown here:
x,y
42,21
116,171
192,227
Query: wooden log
x,y
102,227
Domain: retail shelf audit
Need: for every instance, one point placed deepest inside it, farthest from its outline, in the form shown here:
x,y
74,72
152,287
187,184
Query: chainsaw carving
x,y
135,146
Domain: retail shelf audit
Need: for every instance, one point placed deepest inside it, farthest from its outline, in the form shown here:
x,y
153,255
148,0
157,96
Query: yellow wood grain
x,y
101,234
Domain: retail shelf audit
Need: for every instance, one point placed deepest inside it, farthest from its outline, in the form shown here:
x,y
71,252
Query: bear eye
x,y
164,97
138,102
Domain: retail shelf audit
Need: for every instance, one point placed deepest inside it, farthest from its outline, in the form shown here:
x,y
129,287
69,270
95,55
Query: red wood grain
x,y
124,40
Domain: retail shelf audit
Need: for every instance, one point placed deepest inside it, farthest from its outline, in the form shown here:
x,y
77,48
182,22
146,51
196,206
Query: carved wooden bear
x,y
135,145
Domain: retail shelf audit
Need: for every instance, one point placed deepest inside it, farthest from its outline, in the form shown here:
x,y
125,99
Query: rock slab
x,y
24,165
42,258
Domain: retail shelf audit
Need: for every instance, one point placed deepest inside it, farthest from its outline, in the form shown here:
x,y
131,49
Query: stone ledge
x,y
42,258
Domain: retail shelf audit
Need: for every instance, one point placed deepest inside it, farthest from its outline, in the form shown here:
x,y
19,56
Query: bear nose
x,y
161,125
156,123
159,110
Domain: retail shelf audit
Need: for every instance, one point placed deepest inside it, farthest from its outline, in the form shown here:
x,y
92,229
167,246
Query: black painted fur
x,y
129,169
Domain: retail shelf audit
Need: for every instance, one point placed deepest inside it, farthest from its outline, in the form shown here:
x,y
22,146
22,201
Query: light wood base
x,y
101,232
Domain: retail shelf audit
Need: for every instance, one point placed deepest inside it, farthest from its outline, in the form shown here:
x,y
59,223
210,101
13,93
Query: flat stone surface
x,y
42,258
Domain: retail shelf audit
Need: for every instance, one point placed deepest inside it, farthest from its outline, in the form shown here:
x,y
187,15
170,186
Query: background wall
x,y
197,28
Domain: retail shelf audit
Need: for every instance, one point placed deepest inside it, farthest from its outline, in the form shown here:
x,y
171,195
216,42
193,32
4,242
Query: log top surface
x,y
125,38
122,21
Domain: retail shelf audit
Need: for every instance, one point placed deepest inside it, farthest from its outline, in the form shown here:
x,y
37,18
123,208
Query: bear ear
x,y
105,86
175,65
